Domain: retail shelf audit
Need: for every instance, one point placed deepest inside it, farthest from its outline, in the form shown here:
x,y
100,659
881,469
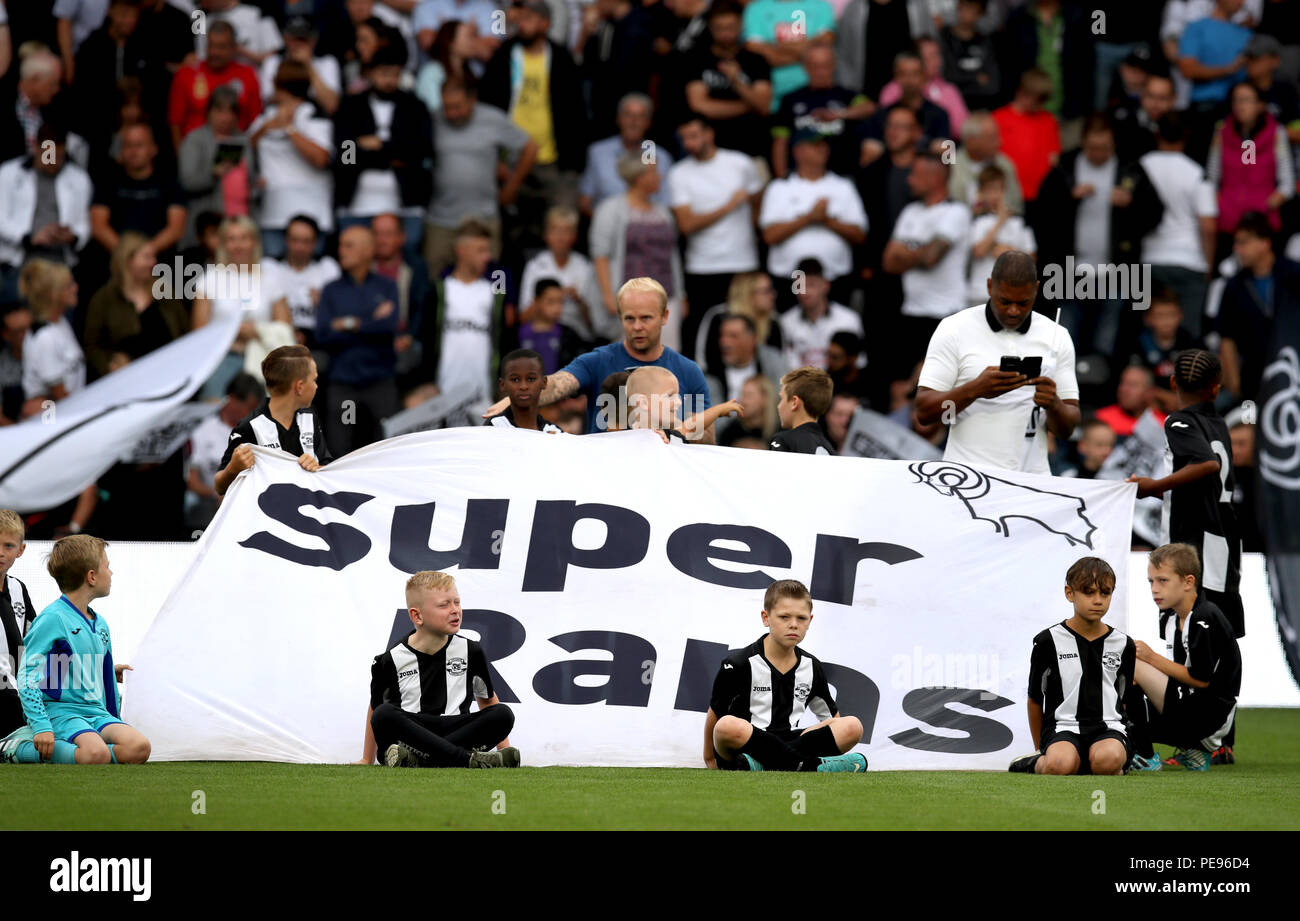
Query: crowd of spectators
x,y
812,182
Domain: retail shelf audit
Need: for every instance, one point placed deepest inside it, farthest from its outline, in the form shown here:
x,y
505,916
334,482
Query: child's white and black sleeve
x,y
1040,665
1128,663
821,701
1187,442
241,434
1201,646
729,685
321,447
480,675
383,680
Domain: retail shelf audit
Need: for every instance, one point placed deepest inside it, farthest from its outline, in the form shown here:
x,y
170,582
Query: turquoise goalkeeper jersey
x,y
67,666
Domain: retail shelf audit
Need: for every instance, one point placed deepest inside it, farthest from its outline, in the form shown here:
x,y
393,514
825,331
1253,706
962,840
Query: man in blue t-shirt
x,y
782,31
643,308
1210,53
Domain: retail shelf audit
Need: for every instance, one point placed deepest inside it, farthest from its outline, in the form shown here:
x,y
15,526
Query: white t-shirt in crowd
x,y
736,377
940,290
248,292
729,244
806,341
1092,220
577,274
294,186
1007,431
296,286
466,351
787,199
1014,233
207,446
52,356
253,30
327,67
1188,196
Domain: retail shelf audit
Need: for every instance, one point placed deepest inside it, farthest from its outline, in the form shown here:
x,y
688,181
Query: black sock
x,y
819,743
769,751
1139,730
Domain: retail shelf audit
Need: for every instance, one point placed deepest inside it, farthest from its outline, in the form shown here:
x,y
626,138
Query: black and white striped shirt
x,y
444,683
1079,683
305,436
16,616
750,687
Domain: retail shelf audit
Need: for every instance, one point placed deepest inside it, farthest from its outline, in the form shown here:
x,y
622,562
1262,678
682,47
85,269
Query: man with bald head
x,y
356,324
833,111
654,402
980,143
1000,418
643,308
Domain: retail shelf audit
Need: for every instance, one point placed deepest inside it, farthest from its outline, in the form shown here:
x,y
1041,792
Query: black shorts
x,y
798,740
1084,743
1191,718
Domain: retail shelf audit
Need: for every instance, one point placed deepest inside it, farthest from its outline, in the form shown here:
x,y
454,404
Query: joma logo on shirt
x,y
756,689
1068,655
408,673
456,666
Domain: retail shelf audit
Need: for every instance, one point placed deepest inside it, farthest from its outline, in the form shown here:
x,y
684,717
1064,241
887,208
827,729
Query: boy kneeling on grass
x,y
67,680
420,691
1188,701
760,695
1079,672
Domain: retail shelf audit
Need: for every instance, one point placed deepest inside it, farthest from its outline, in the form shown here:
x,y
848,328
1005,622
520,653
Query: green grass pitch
x,y
1262,791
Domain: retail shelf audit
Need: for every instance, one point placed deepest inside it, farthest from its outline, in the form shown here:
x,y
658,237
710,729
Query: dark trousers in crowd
x,y
447,740
1202,117
142,502
544,187
913,342
702,293
354,414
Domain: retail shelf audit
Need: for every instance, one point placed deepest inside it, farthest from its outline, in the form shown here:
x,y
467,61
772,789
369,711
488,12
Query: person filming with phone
x,y
1001,376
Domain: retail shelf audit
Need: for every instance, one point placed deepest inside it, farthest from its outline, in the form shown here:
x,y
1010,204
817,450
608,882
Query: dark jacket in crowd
x,y
408,152
365,355
567,111
114,325
1019,53
1058,209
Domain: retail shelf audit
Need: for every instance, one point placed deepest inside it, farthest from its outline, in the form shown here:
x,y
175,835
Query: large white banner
x,y
607,576
49,458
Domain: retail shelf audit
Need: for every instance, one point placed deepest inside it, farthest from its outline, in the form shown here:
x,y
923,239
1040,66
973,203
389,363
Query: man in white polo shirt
x,y
929,249
813,214
1000,418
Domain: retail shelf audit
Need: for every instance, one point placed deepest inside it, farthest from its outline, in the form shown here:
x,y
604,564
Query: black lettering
x,y
930,705
691,550
855,695
700,664
625,687
283,502
480,548
551,550
835,564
